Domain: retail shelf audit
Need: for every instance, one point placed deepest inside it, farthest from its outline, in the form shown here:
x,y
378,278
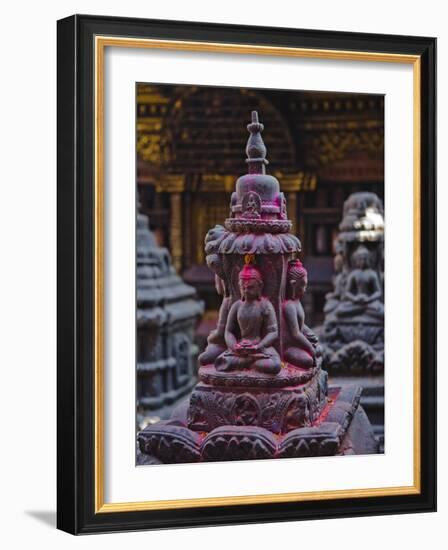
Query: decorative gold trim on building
x,y
302,181
105,41
217,182
171,183
176,221
291,201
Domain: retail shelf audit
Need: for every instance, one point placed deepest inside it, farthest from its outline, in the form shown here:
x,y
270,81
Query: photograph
x,y
259,273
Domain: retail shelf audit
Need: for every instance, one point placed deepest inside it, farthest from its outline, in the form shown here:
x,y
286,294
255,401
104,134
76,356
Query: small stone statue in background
x,y
363,292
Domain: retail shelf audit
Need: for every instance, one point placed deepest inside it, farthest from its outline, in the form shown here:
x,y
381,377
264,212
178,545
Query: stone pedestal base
x,y
292,399
341,428
372,401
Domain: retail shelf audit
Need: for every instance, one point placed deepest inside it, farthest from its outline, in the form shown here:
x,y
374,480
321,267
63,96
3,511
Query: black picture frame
x,y
76,511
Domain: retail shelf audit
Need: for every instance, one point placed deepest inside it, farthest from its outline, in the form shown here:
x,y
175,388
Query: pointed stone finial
x,y
256,149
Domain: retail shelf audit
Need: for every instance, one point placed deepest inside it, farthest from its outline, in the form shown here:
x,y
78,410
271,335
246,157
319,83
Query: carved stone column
x,y
176,229
291,199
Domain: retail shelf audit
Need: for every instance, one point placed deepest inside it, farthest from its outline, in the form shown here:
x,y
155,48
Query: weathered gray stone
x,y
167,312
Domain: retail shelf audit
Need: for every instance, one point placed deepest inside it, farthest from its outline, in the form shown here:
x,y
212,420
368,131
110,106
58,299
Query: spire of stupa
x,y
256,149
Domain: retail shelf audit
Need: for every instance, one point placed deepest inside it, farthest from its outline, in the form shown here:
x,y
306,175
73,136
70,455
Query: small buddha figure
x,y
251,328
251,205
216,343
363,289
298,346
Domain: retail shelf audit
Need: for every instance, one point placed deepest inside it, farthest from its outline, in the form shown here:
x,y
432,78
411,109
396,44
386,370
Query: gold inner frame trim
x,y
101,42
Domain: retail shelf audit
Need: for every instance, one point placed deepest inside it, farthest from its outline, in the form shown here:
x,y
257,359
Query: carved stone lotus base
x,y
288,376
357,357
353,346
343,331
250,398
341,428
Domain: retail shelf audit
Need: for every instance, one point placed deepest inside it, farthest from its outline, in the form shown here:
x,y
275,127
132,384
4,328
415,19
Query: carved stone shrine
x,y
262,392
352,336
353,330
167,312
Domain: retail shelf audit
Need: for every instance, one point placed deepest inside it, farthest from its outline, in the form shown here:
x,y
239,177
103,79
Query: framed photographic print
x,y
246,274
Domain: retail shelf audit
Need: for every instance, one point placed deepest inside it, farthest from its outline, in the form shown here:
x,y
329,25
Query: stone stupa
x,y
352,336
262,392
167,313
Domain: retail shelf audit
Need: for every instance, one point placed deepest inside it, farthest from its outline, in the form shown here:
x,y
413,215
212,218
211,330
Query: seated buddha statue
x,y
299,350
216,343
363,291
251,328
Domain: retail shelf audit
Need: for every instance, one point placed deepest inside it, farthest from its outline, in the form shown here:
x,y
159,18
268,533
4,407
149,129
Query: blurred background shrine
x,y
322,146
